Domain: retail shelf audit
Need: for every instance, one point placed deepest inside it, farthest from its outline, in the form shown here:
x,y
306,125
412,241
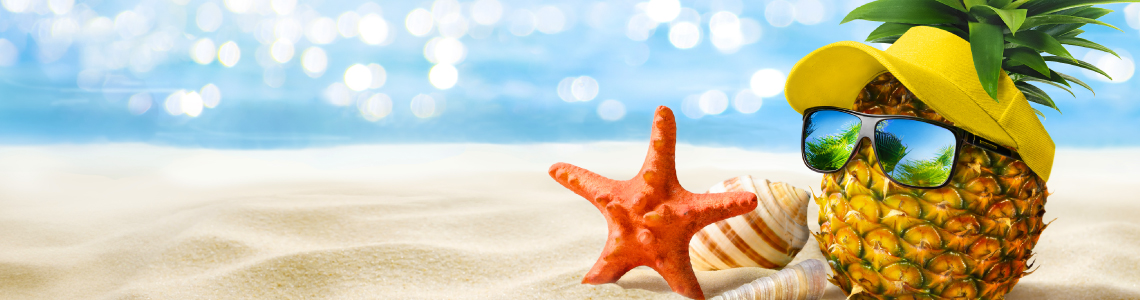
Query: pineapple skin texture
x,y
968,240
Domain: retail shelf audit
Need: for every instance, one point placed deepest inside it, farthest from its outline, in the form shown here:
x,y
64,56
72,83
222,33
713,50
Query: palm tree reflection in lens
x,y
830,152
930,168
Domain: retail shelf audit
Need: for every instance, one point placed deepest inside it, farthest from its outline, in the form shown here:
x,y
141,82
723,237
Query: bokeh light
x,y
284,7
1121,69
314,61
321,31
684,35
203,51
584,88
208,17
747,102
346,24
611,110
61,7
173,103
563,89
211,95
443,76
724,32
713,102
229,54
139,103
750,31
373,29
640,27
550,19
130,24
357,77
445,51
379,76
338,94
486,12
16,6
1132,15
780,13
691,107
453,25
375,107
419,22
809,12
663,11
423,106
289,29
239,6
192,104
523,22
282,50
767,82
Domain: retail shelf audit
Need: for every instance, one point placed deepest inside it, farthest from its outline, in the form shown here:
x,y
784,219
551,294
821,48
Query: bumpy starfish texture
x,y
651,217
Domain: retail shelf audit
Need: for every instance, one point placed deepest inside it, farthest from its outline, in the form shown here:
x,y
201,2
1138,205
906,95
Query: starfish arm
x,y
587,184
606,271
678,272
660,166
711,207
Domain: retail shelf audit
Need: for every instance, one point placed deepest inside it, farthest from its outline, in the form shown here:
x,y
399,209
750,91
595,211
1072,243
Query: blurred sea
x,y
258,74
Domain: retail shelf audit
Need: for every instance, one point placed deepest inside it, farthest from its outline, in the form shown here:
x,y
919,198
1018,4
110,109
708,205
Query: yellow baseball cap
x,y
938,67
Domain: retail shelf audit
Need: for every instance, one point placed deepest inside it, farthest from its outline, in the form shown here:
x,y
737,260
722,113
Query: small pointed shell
x,y
806,280
768,237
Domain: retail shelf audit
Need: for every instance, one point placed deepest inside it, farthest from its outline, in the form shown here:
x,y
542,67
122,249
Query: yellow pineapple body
x,y
971,239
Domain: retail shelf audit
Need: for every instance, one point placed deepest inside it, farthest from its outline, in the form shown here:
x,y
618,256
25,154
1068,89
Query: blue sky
x,y
504,72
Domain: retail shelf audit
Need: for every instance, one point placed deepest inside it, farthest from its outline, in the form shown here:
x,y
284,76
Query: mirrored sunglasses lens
x,y
828,139
915,152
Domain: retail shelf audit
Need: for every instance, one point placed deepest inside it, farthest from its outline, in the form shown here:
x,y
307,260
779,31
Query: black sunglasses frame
x,y
960,136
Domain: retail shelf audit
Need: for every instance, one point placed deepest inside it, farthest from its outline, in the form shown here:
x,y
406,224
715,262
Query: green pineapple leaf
x,y
1079,63
1029,58
1015,4
1079,42
1036,95
1083,12
1071,33
1074,79
1035,21
1040,41
1013,18
955,4
889,29
1057,85
886,40
986,46
892,31
904,11
1040,7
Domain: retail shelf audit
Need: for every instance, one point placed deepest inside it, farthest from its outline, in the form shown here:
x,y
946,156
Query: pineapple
x,y
973,238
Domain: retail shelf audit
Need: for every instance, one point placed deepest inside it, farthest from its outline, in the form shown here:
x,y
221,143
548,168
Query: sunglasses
x,y
913,152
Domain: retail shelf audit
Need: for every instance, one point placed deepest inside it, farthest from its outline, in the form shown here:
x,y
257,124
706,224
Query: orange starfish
x,y
651,217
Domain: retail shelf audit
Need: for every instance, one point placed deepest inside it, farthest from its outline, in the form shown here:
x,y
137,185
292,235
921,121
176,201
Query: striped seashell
x,y
768,237
806,280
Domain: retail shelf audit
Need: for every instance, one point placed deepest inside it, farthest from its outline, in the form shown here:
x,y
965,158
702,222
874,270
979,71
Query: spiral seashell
x,y
767,237
806,280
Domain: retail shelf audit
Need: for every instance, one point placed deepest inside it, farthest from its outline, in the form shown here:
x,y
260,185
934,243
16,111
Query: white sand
x,y
428,222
